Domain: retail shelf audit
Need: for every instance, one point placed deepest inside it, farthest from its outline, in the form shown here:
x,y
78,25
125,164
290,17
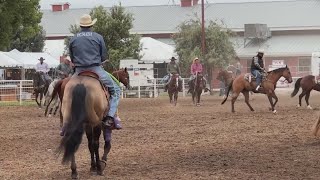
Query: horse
x,y
56,101
173,88
307,84
85,94
198,87
226,76
244,84
40,86
122,75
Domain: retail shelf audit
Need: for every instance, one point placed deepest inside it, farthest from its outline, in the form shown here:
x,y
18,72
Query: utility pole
x,y
203,39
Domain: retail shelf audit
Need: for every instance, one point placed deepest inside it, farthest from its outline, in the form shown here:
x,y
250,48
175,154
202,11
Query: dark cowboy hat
x,y
41,59
173,58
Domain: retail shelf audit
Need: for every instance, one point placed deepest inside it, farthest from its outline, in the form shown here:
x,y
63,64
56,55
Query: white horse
x,y
56,101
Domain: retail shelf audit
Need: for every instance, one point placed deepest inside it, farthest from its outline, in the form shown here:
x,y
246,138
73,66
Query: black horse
x,y
197,86
40,86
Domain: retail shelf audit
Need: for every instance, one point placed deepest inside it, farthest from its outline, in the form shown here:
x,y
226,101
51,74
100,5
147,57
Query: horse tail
x,y
316,127
296,87
229,88
74,129
56,90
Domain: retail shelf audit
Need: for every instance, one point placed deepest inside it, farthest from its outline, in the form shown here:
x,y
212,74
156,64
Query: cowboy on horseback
x,y
44,69
172,68
257,68
196,68
87,52
64,69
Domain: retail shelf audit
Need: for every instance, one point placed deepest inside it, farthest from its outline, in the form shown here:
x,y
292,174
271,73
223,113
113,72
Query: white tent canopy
x,y
6,61
29,60
155,51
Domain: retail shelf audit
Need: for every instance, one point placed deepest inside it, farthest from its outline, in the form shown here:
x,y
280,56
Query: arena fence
x,y
20,92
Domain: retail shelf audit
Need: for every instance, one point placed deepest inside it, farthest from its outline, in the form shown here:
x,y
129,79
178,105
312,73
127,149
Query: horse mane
x,y
279,70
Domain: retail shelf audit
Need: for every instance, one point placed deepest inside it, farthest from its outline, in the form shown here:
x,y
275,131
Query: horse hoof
x,y
93,170
298,105
103,165
274,111
309,107
74,176
198,104
49,115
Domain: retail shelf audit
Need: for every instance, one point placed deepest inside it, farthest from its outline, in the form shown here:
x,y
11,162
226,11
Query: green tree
x,y
19,22
32,44
219,50
114,25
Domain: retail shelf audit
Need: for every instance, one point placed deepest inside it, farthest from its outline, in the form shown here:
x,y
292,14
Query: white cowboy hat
x,y
86,21
261,51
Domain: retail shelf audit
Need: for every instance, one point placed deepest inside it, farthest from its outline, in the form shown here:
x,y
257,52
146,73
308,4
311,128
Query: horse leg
x,y
246,97
41,96
170,96
233,100
107,146
74,173
56,110
89,133
271,103
37,95
61,118
307,99
304,92
96,137
274,96
193,97
175,97
198,97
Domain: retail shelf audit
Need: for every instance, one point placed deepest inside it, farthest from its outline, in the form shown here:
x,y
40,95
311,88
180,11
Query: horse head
x,y
287,74
174,80
199,81
123,76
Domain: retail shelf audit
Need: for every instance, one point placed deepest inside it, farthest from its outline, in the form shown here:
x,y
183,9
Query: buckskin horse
x,y
307,84
173,88
197,88
245,83
40,86
84,101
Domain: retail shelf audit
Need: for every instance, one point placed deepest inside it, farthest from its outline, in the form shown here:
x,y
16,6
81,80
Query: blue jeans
x,y
113,88
257,74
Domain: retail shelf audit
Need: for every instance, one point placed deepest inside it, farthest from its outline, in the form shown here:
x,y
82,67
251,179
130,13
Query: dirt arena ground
x,y
160,141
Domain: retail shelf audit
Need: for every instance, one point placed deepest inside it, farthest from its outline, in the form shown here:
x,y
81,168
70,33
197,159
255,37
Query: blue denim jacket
x,y
87,49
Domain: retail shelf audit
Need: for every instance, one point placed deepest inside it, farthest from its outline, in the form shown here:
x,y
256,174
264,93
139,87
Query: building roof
x,y
278,15
285,45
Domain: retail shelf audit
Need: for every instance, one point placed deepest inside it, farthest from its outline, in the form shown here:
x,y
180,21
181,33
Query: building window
x,y
304,64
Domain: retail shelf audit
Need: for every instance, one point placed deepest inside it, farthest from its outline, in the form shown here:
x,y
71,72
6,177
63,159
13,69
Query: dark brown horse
x,y
242,84
197,88
173,88
40,87
307,84
76,88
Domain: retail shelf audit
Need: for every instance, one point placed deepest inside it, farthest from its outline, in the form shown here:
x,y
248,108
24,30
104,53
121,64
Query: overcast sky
x,y
45,4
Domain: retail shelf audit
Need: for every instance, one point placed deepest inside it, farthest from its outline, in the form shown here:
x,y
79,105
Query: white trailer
x,y
141,76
